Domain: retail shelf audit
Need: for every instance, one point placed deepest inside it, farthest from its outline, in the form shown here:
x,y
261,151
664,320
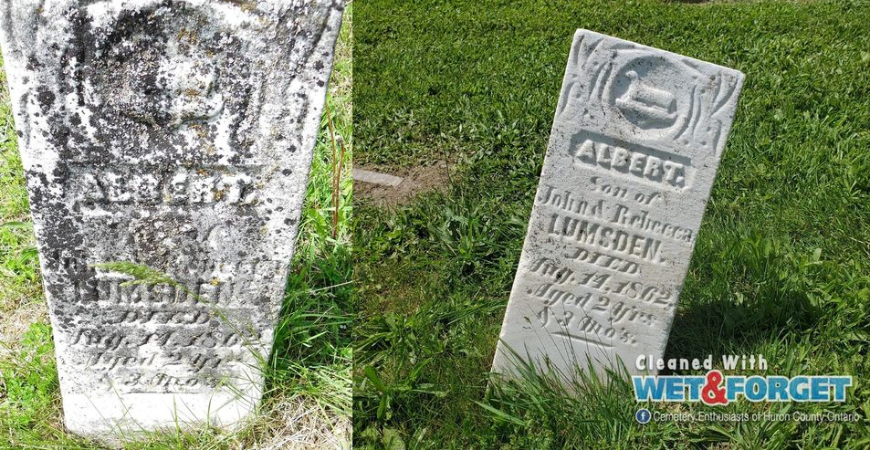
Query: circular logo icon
x,y
643,416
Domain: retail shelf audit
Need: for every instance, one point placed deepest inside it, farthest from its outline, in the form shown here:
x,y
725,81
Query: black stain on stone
x,y
45,97
62,173
33,64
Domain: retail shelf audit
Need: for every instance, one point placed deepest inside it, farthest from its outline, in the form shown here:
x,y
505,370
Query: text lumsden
x,y
606,238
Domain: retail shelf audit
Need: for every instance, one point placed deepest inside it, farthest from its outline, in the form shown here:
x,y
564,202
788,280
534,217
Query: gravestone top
x,y
633,152
175,134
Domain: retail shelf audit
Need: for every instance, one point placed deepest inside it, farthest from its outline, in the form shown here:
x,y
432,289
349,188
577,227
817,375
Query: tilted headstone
x,y
175,134
633,153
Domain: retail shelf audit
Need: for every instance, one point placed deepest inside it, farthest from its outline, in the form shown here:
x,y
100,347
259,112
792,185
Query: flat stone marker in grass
x,y
633,153
384,179
175,134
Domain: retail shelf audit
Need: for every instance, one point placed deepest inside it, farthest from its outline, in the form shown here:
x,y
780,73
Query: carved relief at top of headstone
x,y
175,134
633,153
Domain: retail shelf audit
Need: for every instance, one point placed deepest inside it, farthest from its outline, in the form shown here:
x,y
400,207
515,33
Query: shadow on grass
x,y
753,291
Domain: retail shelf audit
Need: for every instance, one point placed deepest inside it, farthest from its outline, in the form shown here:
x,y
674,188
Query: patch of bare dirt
x,y
415,181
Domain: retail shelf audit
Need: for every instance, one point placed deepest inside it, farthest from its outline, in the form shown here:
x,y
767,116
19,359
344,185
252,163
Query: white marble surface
x,y
633,153
177,135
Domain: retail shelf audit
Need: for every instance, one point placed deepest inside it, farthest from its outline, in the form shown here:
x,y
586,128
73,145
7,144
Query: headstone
x,y
175,134
633,153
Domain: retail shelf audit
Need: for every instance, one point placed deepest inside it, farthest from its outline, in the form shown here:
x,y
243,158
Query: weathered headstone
x,y
176,134
633,153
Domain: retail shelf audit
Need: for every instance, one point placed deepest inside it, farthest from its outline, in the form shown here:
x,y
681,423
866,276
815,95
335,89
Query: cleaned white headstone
x,y
176,134
633,153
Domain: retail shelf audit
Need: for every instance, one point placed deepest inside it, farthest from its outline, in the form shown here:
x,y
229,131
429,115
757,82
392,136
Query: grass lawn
x,y
782,262
308,399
